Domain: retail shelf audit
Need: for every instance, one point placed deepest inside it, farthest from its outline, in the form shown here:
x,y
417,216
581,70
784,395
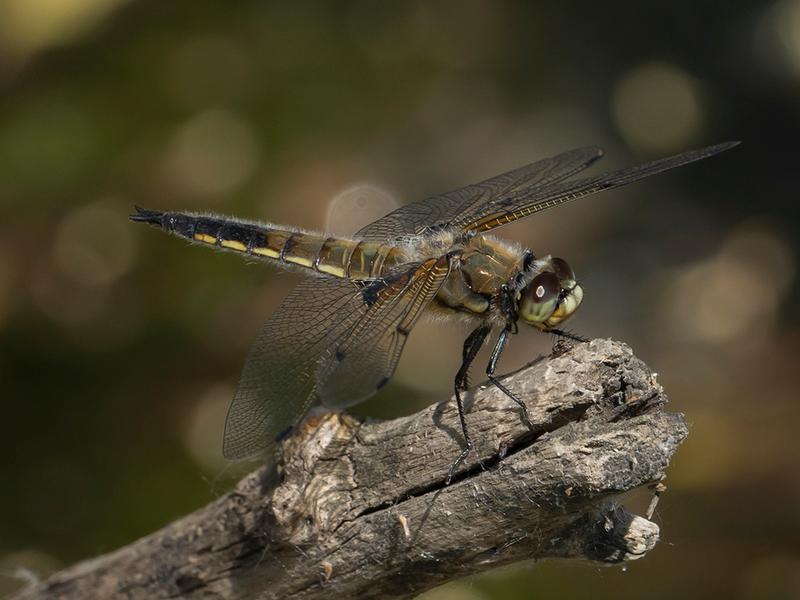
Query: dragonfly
x,y
338,336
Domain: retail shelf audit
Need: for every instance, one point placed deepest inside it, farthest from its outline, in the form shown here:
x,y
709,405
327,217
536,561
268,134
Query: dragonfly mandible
x,y
338,336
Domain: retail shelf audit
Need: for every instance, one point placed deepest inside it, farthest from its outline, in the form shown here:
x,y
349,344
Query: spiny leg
x,y
490,369
527,262
568,335
472,345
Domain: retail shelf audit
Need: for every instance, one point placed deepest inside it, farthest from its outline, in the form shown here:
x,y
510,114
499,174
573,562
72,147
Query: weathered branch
x,y
356,510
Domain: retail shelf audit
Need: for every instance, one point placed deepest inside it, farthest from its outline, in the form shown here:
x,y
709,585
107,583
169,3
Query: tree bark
x,y
355,509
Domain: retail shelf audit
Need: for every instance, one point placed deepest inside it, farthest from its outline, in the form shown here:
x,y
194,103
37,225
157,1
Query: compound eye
x,y
562,269
544,287
540,298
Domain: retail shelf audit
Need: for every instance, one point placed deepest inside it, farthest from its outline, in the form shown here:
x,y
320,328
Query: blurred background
x,y
120,347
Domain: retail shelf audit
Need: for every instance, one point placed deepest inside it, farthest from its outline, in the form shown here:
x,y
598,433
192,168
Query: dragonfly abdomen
x,y
338,257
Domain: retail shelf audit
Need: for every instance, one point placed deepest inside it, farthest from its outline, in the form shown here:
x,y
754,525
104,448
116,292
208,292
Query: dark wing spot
x,y
382,383
340,354
370,295
372,291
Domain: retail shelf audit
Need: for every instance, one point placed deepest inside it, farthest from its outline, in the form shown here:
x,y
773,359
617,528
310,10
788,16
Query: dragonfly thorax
x,y
551,296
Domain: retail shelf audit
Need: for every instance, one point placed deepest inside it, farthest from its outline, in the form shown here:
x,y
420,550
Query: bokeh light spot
x,y
777,38
27,26
213,154
657,107
719,299
94,245
355,207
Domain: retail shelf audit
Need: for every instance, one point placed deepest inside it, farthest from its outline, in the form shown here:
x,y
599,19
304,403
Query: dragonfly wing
x,y
413,219
332,340
364,360
511,207
279,376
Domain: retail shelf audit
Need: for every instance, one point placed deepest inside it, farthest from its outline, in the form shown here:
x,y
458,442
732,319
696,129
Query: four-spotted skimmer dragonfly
x,y
338,336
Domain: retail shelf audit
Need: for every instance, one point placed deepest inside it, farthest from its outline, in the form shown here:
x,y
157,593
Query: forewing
x,y
279,376
508,208
365,359
440,211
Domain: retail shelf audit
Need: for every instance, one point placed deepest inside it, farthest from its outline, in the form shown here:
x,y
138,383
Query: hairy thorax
x,y
473,286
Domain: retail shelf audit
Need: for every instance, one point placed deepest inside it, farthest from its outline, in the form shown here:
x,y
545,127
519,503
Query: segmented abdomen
x,y
339,257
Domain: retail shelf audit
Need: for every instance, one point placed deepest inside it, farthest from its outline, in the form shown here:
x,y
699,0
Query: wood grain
x,y
354,509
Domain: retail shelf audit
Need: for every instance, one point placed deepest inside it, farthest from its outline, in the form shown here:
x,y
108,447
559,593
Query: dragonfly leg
x,y
527,259
472,345
568,334
527,262
490,369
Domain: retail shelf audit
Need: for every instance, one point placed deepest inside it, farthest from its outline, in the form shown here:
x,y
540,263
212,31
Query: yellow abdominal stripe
x,y
233,245
298,260
241,247
268,252
334,270
230,244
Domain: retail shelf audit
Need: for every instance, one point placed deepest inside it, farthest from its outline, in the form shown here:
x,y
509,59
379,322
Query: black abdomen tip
x,y
147,216
179,223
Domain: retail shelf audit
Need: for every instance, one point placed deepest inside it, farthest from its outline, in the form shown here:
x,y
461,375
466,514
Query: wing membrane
x,y
332,340
511,207
518,194
364,360
415,218
278,378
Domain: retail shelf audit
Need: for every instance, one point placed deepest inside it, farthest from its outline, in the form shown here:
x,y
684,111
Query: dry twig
x,y
357,510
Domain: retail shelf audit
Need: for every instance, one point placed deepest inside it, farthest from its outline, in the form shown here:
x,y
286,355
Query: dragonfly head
x,y
551,296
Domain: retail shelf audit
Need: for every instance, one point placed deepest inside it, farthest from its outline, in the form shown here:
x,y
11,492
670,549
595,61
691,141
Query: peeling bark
x,y
356,509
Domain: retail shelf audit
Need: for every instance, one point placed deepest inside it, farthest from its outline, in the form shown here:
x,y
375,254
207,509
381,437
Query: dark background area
x,y
120,347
